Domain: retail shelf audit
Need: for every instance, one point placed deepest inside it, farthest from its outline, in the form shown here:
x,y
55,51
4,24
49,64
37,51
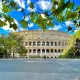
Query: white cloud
x,y
6,27
21,3
27,18
30,25
21,29
30,9
68,23
43,15
28,1
2,19
76,30
56,6
0,6
45,5
56,27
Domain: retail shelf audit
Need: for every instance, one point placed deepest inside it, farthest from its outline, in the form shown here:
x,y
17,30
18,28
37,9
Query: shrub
x,y
36,56
44,56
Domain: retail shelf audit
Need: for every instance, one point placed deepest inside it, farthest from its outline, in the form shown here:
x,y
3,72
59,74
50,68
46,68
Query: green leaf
x,y
4,8
32,17
53,8
74,21
50,23
14,26
69,28
31,5
2,23
61,2
24,23
55,3
71,15
60,18
13,5
70,5
8,18
78,8
10,9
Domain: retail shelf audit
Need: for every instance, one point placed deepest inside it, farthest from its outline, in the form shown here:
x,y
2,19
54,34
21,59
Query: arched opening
x,y
51,43
34,43
43,50
29,43
30,51
34,50
38,43
62,50
47,50
59,44
38,50
55,43
26,44
47,43
51,50
59,51
55,50
43,43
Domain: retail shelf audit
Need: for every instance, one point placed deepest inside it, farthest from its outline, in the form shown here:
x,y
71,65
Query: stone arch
x,y
30,50
34,43
30,43
59,43
62,50
47,43
38,50
26,43
55,43
38,43
34,50
51,43
59,51
43,43
43,50
51,50
47,50
55,50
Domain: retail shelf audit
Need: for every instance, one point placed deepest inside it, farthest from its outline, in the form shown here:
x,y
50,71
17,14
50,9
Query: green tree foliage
x,y
60,10
73,49
12,44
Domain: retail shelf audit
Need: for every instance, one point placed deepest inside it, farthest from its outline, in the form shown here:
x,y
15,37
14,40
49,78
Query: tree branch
x,y
62,7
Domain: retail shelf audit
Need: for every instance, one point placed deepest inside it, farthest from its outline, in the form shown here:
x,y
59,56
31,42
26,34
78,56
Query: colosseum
x,y
50,43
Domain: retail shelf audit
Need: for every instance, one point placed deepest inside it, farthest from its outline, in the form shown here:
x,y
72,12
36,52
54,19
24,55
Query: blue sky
x,y
41,4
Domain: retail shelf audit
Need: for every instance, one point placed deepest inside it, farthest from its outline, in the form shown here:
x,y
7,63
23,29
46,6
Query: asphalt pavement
x,y
40,69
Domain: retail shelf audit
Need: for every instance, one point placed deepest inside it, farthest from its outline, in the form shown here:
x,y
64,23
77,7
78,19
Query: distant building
x,y
50,42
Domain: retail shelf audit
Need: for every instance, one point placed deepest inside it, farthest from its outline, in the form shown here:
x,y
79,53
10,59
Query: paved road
x,y
40,69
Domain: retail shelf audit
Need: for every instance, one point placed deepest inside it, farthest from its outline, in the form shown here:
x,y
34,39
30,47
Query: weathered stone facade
x,y
50,43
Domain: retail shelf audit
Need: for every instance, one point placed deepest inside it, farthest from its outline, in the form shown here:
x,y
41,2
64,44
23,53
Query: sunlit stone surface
x,y
50,42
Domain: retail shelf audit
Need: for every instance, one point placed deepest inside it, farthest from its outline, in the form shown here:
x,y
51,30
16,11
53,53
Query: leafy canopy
x,y
73,49
12,44
60,10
